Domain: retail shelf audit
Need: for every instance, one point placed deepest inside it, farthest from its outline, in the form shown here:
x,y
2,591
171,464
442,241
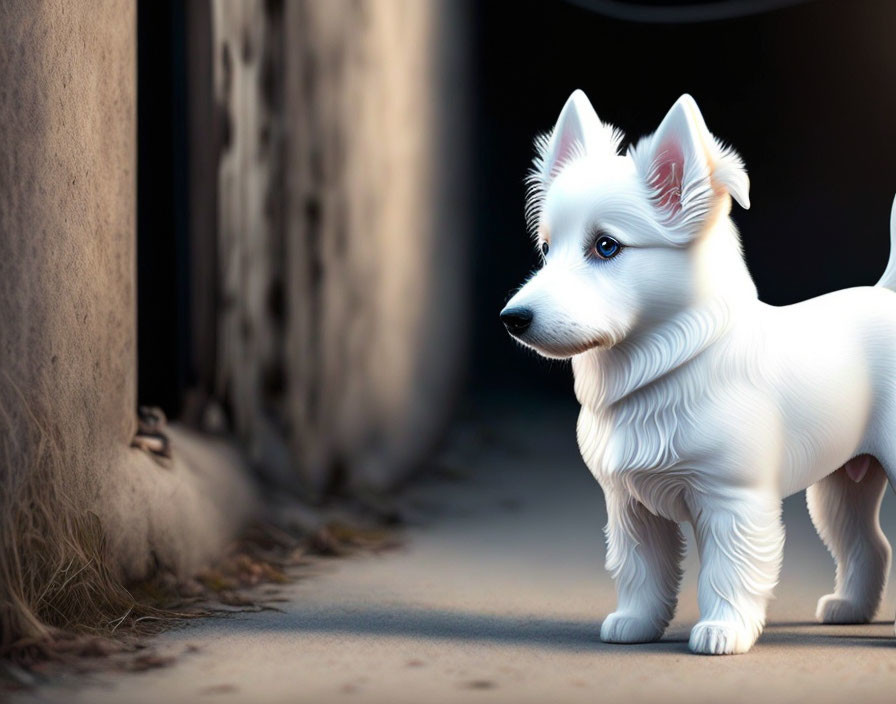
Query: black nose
x,y
516,320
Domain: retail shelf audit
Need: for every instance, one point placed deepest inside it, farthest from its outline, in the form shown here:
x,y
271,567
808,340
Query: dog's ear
x,y
688,171
578,132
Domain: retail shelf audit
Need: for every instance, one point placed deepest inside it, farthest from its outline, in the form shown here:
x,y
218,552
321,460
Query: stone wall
x,y
80,506
342,232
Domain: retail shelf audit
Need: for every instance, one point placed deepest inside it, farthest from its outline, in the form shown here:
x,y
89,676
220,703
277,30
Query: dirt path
x,y
499,597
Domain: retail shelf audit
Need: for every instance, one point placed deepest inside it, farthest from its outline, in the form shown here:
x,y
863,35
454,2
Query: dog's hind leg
x,y
644,553
845,509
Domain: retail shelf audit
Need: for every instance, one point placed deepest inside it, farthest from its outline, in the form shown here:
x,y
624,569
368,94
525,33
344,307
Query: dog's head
x,y
620,235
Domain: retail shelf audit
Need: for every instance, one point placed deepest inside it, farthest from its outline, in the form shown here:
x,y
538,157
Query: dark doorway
x,y
163,253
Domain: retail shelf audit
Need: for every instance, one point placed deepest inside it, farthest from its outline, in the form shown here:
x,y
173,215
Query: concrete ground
x,y
497,596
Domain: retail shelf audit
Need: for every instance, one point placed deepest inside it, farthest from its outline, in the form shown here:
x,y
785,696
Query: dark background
x,y
805,94
163,254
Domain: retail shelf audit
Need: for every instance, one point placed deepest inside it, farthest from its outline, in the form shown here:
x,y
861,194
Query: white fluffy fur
x,y
699,402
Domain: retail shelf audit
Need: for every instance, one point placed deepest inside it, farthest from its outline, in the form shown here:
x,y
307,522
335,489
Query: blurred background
x,y
331,200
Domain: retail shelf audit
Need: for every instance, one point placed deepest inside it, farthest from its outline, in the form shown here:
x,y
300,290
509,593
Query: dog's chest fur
x,y
640,447
638,429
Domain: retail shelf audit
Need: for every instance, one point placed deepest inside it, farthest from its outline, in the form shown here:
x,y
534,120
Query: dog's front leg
x,y
644,555
740,539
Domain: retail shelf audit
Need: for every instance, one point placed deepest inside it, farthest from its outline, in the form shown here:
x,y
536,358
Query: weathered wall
x,y
67,203
67,338
247,85
342,232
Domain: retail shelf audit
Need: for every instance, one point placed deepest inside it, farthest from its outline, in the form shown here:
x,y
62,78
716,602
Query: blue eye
x,y
606,247
544,248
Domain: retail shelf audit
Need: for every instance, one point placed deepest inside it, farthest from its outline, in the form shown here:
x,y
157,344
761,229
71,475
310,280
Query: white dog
x,y
699,402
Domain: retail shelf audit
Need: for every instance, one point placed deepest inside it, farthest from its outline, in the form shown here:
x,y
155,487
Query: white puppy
x,y
699,402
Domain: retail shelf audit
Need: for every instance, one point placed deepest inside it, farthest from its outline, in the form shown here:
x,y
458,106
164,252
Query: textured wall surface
x,y
249,373
342,232
67,305
67,175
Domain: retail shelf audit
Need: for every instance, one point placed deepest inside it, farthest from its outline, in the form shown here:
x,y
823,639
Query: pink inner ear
x,y
666,177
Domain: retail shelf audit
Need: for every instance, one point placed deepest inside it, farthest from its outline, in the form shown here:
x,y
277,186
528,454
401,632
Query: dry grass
x,y
61,598
58,592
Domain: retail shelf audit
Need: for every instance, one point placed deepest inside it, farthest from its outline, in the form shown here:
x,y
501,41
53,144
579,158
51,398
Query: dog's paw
x,y
719,638
625,628
835,609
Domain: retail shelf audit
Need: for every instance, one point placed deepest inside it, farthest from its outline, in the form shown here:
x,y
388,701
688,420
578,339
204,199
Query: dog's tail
x,y
888,280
